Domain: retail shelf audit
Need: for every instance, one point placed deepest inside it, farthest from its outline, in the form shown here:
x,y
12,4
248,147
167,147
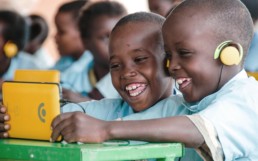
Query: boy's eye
x,y
114,66
140,59
184,53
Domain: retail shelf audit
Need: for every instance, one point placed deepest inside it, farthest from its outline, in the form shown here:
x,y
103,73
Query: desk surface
x,y
15,149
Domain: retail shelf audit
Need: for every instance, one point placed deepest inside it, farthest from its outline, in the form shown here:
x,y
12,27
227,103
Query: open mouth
x,y
135,89
183,82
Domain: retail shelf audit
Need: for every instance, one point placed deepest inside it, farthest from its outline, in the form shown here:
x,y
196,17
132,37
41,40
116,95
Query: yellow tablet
x,y
32,107
37,75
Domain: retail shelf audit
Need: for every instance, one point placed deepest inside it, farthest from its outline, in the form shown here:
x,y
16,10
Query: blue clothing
x,y
233,112
251,61
112,109
106,88
63,63
20,61
75,77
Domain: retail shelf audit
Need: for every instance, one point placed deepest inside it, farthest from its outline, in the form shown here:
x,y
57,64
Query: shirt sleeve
x,y
211,149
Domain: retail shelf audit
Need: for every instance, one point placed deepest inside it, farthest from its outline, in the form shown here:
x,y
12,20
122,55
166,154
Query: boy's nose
x,y
128,73
174,65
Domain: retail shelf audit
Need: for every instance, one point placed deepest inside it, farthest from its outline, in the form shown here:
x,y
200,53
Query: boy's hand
x,y
3,127
78,127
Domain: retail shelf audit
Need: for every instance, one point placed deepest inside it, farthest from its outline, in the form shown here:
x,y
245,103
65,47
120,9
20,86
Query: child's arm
x,y
173,129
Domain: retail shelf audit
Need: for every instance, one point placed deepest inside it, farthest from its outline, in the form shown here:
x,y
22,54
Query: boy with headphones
x,y
13,37
205,43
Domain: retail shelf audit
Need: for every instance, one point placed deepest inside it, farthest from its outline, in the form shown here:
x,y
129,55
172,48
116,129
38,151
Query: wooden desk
x,y
15,149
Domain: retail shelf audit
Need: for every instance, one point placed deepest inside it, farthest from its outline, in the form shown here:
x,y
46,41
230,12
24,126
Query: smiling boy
x,y
136,66
222,98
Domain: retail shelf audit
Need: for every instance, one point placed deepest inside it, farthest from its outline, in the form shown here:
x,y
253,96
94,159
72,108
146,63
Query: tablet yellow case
x,y
32,107
37,75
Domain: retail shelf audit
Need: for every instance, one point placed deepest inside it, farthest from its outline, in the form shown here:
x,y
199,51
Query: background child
x,y
67,37
39,29
217,91
13,37
95,25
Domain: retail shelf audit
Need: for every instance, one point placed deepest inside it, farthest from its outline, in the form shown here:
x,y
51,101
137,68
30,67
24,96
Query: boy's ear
x,y
229,53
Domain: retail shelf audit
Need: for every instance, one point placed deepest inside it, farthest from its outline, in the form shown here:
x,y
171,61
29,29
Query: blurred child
x,y
38,28
163,7
95,24
13,37
205,42
67,37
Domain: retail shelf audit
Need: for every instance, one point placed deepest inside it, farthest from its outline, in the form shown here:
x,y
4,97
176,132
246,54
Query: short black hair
x,y
73,7
38,28
141,17
230,19
95,9
15,28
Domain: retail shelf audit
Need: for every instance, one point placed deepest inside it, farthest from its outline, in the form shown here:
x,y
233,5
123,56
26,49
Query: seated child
x,y
13,37
137,72
199,36
136,64
67,37
95,24
38,29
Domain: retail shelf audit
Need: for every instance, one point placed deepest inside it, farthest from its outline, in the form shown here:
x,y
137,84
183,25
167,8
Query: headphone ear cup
x,y
10,49
166,66
230,56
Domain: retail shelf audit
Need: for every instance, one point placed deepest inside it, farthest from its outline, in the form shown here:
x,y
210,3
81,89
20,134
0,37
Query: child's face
x,y
68,36
136,67
97,43
191,45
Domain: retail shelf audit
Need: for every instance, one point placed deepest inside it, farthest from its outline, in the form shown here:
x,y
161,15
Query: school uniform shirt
x,y
118,109
251,59
75,77
43,58
63,63
106,88
228,122
20,61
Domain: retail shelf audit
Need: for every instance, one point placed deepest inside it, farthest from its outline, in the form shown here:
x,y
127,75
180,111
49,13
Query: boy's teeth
x,y
135,89
181,80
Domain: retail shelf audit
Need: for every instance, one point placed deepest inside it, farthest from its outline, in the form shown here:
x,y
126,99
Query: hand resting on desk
x,y
78,127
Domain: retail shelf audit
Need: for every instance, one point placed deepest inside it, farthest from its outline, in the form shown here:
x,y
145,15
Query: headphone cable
x,y
219,77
